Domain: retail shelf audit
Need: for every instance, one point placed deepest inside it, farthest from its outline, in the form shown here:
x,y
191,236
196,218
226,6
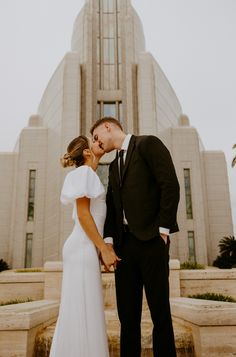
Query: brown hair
x,y
105,120
74,155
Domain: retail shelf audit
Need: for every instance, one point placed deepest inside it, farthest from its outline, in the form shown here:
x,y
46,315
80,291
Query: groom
x,y
142,200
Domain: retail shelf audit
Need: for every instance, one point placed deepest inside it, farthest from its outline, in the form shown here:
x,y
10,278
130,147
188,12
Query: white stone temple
x,y
107,73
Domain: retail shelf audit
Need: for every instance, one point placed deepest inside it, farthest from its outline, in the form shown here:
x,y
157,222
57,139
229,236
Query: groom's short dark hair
x,y
105,120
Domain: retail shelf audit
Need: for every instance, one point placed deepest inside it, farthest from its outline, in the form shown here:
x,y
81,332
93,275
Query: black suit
x,y
148,194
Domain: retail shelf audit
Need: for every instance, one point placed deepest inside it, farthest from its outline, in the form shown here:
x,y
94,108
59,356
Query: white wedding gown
x,y
80,329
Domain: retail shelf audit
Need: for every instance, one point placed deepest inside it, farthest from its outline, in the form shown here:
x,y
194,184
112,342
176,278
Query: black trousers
x,y
144,264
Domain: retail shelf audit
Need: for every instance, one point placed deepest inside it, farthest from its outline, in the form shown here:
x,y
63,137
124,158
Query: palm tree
x,y
227,257
227,247
234,159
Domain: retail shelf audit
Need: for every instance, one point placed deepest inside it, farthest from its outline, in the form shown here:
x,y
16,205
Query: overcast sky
x,y
194,41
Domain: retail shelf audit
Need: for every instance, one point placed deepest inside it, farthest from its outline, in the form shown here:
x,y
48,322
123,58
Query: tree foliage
x,y
3,265
234,159
227,257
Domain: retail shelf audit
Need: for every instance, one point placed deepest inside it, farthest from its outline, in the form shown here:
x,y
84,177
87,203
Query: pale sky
x,y
194,42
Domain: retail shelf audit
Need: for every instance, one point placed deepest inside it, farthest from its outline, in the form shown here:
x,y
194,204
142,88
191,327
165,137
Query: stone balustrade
x,y
213,325
47,284
53,276
20,323
212,280
21,286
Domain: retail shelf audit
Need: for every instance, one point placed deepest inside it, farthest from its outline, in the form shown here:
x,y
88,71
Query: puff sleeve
x,y
81,182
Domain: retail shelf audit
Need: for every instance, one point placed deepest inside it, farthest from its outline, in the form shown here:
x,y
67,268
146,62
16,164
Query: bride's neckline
x,y
87,166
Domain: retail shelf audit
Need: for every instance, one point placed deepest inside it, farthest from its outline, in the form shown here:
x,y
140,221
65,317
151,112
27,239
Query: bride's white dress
x,y
80,329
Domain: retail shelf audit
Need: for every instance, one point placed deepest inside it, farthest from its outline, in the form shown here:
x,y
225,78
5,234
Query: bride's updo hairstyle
x,y
74,155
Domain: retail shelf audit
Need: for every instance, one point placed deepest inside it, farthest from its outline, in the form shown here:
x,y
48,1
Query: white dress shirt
x,y
124,147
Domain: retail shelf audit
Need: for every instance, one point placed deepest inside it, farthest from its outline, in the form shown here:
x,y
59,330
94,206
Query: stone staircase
x,y
183,337
183,334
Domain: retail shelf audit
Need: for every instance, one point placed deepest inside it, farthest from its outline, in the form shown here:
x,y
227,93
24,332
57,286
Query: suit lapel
x,y
115,170
129,154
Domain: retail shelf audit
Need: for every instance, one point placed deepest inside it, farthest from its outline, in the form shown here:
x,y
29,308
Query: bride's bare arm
x,y
87,222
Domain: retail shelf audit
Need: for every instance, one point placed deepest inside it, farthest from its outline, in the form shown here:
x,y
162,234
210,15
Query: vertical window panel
x,y
191,247
98,50
31,195
120,76
106,77
97,5
119,25
108,6
188,195
99,76
28,250
108,25
109,109
109,77
118,5
113,109
112,84
99,110
119,51
109,50
120,114
97,24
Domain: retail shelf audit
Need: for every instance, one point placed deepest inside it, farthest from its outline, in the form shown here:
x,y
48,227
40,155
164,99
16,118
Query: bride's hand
x,y
109,257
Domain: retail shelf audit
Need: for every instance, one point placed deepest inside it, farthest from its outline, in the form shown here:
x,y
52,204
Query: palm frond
x,y
234,161
227,245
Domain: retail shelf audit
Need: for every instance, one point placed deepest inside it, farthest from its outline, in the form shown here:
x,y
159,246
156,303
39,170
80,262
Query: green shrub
x,y
15,301
222,262
3,265
213,296
189,265
29,270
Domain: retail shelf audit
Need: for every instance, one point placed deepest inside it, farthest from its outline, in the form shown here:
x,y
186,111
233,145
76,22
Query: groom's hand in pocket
x,y
164,237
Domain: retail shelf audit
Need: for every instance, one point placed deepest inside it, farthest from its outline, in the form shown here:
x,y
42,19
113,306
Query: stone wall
x,y
219,281
21,286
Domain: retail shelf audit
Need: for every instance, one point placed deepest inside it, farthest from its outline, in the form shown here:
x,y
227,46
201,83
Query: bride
x,y
80,329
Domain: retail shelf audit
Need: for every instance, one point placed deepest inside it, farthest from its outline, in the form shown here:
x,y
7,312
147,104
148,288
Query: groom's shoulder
x,y
143,140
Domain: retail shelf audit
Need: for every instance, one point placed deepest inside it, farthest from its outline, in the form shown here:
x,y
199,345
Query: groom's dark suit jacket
x,y
148,192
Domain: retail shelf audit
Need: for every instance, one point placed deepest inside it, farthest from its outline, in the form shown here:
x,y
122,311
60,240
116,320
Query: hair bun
x,y
74,153
67,160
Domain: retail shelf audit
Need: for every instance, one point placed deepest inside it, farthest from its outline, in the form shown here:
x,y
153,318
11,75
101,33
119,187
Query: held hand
x,y
109,257
106,270
110,247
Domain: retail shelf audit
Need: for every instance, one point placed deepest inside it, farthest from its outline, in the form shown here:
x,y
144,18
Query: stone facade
x,y
107,72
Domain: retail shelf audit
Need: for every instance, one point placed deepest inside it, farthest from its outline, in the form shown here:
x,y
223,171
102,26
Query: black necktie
x,y
121,156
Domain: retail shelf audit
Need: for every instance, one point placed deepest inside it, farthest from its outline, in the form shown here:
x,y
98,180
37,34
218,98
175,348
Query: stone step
x,y
183,337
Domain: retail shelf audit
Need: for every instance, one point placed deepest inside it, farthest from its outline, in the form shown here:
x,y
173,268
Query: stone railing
x,y
53,276
212,280
47,284
21,286
213,325
20,323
